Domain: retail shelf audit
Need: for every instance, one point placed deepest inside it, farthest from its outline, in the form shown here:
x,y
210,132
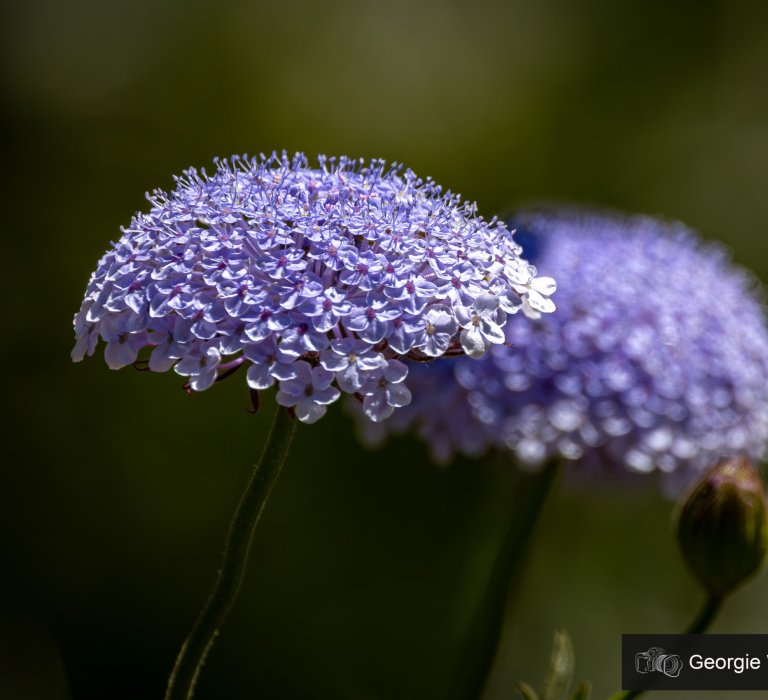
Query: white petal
x,y
529,311
510,301
492,332
473,342
439,316
540,303
544,285
436,345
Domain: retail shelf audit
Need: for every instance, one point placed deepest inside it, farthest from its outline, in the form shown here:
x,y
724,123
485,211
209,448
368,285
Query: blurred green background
x,y
116,489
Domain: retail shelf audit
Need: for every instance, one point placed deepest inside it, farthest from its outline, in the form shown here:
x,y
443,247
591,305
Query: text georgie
x,y
737,664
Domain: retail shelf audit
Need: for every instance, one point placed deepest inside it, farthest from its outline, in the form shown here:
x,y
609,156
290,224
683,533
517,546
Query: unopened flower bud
x,y
721,525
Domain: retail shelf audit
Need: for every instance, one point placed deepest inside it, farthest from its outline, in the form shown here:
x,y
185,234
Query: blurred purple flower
x,y
306,276
657,357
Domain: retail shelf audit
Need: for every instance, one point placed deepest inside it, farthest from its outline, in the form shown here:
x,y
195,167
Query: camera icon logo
x,y
656,659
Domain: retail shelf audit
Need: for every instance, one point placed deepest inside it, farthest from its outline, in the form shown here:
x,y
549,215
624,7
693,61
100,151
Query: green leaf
x,y
526,691
560,673
582,691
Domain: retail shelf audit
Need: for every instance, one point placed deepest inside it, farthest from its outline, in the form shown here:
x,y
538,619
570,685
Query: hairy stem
x,y
186,671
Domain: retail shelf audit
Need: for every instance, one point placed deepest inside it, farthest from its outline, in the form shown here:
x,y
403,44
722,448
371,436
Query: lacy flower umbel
x,y
319,280
657,357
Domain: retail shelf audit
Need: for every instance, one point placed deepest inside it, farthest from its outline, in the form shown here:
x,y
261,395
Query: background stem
x,y
706,615
699,625
482,638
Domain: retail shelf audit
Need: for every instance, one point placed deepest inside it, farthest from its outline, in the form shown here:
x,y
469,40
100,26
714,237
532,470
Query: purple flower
x,y
124,336
439,413
371,322
352,362
384,390
656,359
363,270
327,310
439,327
412,295
481,325
307,389
341,268
263,357
200,366
301,339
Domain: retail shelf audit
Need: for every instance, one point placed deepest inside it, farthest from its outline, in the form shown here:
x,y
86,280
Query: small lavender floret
x,y
656,358
311,277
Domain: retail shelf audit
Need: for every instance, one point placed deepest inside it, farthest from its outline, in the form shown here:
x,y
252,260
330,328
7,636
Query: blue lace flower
x,y
307,276
657,357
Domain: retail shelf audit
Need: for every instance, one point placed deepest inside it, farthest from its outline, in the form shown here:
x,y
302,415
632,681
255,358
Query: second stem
x,y
484,634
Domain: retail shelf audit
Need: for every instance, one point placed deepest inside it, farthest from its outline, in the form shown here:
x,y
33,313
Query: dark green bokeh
x,y
116,488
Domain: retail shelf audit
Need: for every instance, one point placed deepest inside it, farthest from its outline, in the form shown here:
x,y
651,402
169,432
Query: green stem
x,y
181,685
706,615
699,625
482,639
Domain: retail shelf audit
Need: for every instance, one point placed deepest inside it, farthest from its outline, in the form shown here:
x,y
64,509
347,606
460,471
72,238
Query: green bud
x,y
721,525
